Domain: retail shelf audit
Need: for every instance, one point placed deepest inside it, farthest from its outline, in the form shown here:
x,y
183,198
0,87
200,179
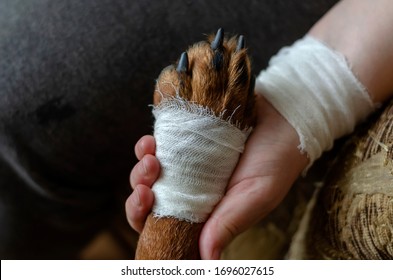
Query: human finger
x,y
146,145
145,172
138,206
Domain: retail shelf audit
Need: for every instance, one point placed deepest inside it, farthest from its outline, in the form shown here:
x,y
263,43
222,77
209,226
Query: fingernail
x,y
136,198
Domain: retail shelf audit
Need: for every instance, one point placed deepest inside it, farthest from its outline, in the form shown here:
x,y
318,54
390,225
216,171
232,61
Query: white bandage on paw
x,y
198,152
314,89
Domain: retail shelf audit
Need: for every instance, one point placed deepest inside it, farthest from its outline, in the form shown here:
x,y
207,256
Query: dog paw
x,y
216,74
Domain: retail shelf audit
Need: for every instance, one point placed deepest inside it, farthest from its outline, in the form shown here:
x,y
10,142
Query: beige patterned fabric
x,y
353,213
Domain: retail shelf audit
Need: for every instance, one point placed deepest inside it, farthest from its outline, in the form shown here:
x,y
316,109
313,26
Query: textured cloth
x,y
198,152
313,87
351,217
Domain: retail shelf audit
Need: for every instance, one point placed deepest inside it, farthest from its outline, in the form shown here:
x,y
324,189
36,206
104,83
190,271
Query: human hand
x,y
266,170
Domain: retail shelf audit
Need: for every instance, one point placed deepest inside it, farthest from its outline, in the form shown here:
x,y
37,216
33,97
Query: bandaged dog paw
x,y
214,78
204,112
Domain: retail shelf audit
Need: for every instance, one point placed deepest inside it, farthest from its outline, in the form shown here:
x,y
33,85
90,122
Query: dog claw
x,y
218,40
182,67
240,43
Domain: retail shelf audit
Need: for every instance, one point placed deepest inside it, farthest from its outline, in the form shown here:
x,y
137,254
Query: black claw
x,y
240,43
218,59
218,40
183,63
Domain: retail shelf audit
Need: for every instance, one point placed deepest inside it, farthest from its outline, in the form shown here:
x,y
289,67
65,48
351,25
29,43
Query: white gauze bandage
x,y
314,89
198,152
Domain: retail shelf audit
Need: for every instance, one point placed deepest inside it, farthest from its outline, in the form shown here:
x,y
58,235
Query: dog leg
x,y
215,74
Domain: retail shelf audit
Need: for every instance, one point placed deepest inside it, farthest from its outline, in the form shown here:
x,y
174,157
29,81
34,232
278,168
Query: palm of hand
x,y
267,169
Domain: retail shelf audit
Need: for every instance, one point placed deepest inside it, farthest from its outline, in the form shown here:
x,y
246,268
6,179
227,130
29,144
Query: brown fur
x,y
229,88
168,239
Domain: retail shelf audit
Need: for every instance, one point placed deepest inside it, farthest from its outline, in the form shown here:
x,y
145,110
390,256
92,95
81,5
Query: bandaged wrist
x,y
314,89
198,152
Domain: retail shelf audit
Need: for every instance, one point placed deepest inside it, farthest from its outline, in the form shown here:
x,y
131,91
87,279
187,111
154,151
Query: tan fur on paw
x,y
215,74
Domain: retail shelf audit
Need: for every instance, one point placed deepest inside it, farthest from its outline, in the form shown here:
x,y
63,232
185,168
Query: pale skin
x,y
362,31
